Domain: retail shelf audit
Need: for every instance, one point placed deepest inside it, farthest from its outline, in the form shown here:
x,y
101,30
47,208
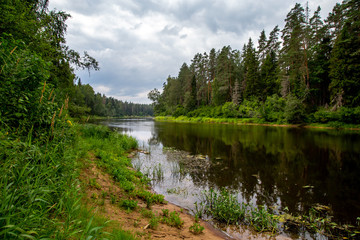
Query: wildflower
x,y
69,122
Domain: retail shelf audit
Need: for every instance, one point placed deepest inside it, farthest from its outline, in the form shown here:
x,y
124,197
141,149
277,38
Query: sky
x,y
139,43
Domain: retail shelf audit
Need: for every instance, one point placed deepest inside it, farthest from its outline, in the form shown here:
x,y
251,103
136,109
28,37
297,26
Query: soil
x,y
97,197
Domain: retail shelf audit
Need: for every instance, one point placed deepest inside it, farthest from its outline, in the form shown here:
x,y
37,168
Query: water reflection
x,y
288,167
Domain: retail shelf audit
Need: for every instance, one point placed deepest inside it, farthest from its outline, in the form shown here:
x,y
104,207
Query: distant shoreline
x,y
251,122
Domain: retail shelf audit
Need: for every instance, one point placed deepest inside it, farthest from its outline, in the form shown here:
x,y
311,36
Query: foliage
x,y
224,207
294,111
172,219
273,109
196,228
128,204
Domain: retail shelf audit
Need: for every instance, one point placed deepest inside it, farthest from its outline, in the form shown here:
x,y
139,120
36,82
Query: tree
x,y
251,71
293,58
262,44
345,65
158,104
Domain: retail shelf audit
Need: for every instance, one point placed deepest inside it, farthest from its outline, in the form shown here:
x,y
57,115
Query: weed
x,y
128,204
147,213
127,186
104,194
224,207
196,228
154,223
262,220
94,184
158,173
101,202
94,196
173,219
112,198
165,212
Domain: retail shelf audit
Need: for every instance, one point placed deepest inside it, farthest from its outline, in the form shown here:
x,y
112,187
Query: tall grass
x,y
39,187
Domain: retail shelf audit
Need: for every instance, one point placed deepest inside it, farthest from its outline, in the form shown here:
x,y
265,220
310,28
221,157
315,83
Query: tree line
x,y
86,102
308,71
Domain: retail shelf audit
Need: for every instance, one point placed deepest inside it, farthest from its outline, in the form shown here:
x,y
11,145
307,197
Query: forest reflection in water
x,y
273,166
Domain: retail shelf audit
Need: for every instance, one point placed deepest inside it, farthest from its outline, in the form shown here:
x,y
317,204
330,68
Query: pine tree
x,y
262,44
345,59
251,71
293,59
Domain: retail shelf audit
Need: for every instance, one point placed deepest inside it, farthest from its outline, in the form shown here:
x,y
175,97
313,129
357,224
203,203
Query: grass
x,y
39,187
223,207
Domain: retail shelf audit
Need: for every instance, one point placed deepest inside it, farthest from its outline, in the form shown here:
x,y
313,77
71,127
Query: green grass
x,y
39,188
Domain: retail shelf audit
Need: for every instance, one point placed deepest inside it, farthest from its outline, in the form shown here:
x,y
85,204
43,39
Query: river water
x,y
279,167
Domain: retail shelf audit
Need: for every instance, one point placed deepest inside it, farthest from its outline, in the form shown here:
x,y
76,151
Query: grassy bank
x,y
255,121
39,183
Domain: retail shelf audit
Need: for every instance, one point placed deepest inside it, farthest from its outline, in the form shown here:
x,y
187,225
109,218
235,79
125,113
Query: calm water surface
x,y
272,166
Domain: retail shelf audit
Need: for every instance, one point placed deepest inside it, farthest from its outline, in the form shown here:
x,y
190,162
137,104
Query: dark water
x,y
272,166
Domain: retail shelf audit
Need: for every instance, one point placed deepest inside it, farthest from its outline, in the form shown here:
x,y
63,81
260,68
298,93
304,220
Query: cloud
x,y
139,43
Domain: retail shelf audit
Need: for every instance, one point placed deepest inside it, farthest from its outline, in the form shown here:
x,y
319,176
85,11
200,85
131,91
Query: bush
x,y
273,108
250,109
324,116
179,111
350,115
229,110
294,111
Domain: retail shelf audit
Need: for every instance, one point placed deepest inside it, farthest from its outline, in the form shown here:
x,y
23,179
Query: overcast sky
x,y
139,43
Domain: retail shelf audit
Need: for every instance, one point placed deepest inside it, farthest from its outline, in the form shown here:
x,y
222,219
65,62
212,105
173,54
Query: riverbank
x,y
255,121
114,191
78,183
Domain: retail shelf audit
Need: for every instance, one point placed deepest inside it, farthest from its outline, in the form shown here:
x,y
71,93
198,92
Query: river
x,y
279,167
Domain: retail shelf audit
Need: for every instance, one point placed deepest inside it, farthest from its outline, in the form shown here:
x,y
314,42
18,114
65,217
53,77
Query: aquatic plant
x,y
223,207
158,173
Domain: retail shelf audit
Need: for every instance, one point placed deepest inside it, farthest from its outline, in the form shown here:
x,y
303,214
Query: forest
x,y
307,72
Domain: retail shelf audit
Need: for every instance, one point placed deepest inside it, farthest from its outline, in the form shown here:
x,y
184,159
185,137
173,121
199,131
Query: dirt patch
x,y
103,194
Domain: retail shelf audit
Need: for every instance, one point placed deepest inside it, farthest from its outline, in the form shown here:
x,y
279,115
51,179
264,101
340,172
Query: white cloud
x,y
139,43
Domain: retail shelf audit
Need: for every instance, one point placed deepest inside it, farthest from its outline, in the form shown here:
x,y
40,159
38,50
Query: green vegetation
x,y
196,228
309,76
41,149
39,181
172,219
224,207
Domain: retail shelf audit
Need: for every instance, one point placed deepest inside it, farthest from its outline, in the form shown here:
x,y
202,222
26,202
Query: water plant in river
x,y
158,173
223,207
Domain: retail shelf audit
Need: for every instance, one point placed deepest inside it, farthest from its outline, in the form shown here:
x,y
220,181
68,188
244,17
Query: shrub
x,y
229,110
294,111
272,109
